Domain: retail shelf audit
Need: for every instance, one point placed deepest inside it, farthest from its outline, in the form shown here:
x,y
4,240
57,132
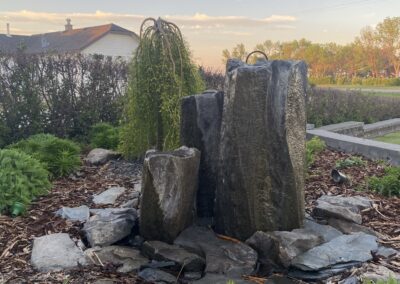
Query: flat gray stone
x,y
327,210
347,227
100,156
80,213
222,256
386,252
129,258
56,252
323,273
325,231
133,203
157,276
108,196
355,202
220,279
165,252
109,225
345,248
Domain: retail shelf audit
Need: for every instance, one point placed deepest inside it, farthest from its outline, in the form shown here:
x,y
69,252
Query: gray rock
x,y
232,259
170,182
358,202
190,276
278,279
327,210
350,280
130,259
133,203
100,156
379,273
157,276
220,279
349,227
323,273
80,213
325,231
109,226
200,128
108,196
345,248
165,252
262,150
56,252
280,247
386,252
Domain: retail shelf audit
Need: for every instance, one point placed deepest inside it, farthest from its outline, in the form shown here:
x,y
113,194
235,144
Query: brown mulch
x,y
384,217
17,234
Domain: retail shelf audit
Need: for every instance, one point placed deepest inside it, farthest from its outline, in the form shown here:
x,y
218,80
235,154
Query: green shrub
x,y
389,184
104,135
313,147
350,162
391,280
22,178
59,156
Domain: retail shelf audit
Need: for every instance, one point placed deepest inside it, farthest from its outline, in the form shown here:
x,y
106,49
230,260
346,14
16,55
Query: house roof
x,y
73,40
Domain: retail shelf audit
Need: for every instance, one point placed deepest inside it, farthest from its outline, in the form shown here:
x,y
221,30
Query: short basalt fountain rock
x,y
169,186
262,150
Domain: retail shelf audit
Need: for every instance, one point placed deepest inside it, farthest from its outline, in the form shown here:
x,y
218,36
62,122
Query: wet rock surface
x,y
200,128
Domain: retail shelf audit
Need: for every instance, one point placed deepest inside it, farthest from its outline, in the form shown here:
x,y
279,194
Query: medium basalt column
x,y
262,149
200,128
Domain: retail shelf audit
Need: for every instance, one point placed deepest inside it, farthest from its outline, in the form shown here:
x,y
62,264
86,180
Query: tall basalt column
x,y
169,187
200,128
262,150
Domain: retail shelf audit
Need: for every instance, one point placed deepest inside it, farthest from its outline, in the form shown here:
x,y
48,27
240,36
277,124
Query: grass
x,y
393,138
375,91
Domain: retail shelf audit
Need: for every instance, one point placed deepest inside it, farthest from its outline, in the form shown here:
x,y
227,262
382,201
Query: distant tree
x,y
389,37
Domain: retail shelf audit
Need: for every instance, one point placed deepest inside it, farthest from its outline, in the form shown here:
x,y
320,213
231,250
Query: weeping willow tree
x,y
161,73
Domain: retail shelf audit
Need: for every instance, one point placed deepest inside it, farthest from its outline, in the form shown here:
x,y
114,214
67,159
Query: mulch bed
x,y
16,234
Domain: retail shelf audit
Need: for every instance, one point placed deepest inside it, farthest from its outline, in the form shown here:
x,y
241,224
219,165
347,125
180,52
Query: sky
x,y
209,26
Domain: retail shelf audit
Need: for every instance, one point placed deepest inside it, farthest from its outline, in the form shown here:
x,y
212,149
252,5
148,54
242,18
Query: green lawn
x,y
368,90
393,138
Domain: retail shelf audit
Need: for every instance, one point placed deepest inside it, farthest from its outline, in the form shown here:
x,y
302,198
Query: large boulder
x,y
227,257
169,186
262,150
109,225
346,248
56,252
200,128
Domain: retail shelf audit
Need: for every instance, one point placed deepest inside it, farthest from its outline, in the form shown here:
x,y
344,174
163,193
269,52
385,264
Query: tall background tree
x,y
375,53
161,73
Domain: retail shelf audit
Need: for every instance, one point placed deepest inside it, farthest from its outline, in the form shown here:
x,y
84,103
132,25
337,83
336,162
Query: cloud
x,y
197,20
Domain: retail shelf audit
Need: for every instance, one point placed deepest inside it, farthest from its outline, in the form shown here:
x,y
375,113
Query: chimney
x,y
8,30
68,26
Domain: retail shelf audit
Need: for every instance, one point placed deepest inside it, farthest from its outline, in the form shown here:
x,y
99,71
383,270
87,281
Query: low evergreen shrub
x,y
59,156
389,184
313,147
22,178
350,162
104,135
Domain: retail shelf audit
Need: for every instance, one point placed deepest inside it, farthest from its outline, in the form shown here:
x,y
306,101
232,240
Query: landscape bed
x,y
16,234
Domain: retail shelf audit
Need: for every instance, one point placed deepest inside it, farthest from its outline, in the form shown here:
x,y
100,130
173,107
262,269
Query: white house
x,y
108,40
